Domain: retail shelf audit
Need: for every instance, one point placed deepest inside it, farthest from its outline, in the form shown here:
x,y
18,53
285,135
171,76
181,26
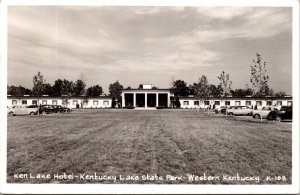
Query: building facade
x,y
253,102
146,97
73,102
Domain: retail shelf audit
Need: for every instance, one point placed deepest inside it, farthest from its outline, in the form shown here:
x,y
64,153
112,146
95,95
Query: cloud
x,y
134,40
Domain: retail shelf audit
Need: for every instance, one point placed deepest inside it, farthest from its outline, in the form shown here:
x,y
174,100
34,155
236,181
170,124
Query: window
x,y
217,103
227,103
279,103
258,103
44,102
63,102
105,103
14,102
95,102
196,103
24,102
75,102
34,102
206,103
269,103
54,102
237,103
185,103
289,103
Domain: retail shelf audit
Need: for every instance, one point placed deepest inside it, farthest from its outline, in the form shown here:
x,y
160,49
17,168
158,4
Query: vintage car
x,y
221,109
22,110
239,110
285,113
263,113
59,108
47,109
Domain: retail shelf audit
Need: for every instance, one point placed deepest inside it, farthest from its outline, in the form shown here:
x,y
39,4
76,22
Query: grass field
x,y
137,142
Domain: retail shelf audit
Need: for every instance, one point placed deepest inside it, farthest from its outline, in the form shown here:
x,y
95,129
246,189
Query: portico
x,y
145,98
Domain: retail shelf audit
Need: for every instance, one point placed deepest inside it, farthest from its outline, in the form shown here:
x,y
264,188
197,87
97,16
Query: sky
x,y
153,45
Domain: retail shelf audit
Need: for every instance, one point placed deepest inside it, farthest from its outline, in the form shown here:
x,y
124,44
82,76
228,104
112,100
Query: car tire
x,y
11,113
32,113
44,113
257,116
278,118
230,114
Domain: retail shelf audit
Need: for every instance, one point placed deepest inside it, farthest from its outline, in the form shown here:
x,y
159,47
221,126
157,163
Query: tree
x,y
280,94
18,91
115,91
180,88
79,87
202,89
94,91
225,84
248,90
140,86
215,91
38,86
192,89
47,89
57,87
67,90
241,92
259,77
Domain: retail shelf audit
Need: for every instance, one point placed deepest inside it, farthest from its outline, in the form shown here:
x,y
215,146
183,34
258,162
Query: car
x,y
263,113
22,110
47,109
285,113
239,110
59,108
220,109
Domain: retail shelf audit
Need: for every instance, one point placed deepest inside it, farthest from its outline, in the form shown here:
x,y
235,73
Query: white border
x,y
150,189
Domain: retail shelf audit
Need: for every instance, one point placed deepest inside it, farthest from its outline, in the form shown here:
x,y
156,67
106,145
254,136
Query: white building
x,y
147,97
73,102
192,102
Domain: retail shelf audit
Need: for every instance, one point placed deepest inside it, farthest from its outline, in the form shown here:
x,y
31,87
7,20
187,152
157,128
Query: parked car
x,y
22,110
239,110
59,108
220,109
47,109
285,113
263,113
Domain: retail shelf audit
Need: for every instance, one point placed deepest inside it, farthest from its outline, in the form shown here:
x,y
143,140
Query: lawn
x,y
154,142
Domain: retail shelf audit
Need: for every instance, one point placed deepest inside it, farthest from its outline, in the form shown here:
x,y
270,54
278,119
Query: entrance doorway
x,y
163,100
140,100
151,100
128,99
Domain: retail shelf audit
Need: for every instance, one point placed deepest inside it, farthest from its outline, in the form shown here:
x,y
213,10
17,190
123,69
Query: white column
x,y
123,100
134,99
168,100
156,99
146,100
